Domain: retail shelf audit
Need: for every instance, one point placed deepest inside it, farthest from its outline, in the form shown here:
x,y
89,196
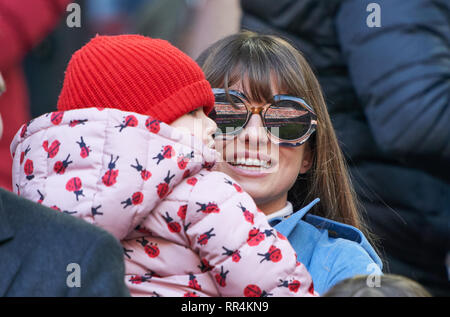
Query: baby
x,y
116,155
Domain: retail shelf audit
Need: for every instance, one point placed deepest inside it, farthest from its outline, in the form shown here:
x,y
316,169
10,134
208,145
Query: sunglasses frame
x,y
261,111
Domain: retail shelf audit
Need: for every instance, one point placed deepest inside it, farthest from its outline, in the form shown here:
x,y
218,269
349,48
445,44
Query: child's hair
x,y
261,58
390,285
135,73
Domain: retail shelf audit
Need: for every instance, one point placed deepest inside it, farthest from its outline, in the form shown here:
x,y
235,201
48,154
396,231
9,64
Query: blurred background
x,y
386,82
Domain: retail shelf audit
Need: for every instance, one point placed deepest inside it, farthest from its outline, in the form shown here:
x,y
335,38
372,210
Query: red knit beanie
x,y
135,73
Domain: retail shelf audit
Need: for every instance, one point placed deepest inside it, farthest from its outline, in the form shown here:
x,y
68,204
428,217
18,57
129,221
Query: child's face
x,y
198,124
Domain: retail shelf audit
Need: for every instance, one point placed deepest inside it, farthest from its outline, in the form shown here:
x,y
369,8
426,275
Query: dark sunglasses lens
x,y
287,120
229,113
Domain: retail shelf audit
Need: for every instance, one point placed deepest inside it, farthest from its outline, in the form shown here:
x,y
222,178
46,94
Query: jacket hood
x,y
90,162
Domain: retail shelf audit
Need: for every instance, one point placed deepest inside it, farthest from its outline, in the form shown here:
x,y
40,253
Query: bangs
x,y
265,66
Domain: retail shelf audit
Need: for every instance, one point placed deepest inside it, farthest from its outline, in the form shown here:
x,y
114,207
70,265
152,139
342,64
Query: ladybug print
x,y
56,117
22,155
186,173
23,131
249,217
85,150
41,197
28,168
235,255
142,230
311,289
190,294
282,237
74,123
253,290
193,283
110,177
208,208
221,277
235,185
192,181
138,279
208,165
293,286
173,226
145,175
183,160
166,153
135,199
163,188
128,121
205,266
126,251
150,249
60,166
51,150
152,125
204,238
95,212
255,237
182,212
274,255
74,185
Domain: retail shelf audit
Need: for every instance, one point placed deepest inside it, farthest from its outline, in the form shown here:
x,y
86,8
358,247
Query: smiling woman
x,y
278,143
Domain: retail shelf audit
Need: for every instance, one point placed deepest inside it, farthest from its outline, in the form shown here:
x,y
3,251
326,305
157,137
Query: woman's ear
x,y
308,159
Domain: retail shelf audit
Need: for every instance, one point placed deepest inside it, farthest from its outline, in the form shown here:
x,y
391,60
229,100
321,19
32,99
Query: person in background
x,y
388,285
40,248
278,143
387,90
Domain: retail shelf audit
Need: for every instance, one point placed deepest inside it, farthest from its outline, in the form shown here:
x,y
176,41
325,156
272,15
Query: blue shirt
x,y
331,251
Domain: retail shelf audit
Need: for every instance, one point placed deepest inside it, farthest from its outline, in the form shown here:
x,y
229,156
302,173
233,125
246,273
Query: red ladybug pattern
x,y
28,168
84,149
145,175
110,177
51,150
24,153
152,125
274,255
57,117
74,185
178,220
208,208
193,283
128,121
60,166
173,226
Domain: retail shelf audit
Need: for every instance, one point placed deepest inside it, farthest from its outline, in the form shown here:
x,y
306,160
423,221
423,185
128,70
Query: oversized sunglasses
x,y
288,121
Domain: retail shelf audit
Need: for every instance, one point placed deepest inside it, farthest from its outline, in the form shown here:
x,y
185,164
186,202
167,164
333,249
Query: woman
x,y
278,143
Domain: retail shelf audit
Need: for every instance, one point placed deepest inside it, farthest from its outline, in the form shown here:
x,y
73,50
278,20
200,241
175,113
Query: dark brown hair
x,y
261,58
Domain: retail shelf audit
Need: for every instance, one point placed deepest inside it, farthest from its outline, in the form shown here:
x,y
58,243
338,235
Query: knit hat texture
x,y
135,73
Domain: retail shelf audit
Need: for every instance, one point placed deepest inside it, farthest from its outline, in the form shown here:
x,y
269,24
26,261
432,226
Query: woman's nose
x,y
254,133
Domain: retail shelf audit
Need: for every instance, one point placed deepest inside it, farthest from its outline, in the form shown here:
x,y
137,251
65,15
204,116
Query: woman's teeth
x,y
251,164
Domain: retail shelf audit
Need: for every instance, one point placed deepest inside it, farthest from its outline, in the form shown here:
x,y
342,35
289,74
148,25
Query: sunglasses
x,y
288,121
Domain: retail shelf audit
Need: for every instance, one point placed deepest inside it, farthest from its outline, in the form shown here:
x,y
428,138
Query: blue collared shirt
x,y
331,251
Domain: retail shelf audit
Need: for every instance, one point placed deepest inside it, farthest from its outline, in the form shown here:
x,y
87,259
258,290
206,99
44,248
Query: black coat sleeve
x,y
401,73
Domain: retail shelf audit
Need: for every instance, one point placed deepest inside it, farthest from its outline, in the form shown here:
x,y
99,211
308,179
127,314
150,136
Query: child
x,y
390,285
110,156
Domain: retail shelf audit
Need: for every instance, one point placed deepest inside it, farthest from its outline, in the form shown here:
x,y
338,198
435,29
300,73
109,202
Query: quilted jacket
x,y
185,230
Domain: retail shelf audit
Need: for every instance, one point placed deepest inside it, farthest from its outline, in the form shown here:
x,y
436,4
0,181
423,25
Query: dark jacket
x,y
38,243
388,94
